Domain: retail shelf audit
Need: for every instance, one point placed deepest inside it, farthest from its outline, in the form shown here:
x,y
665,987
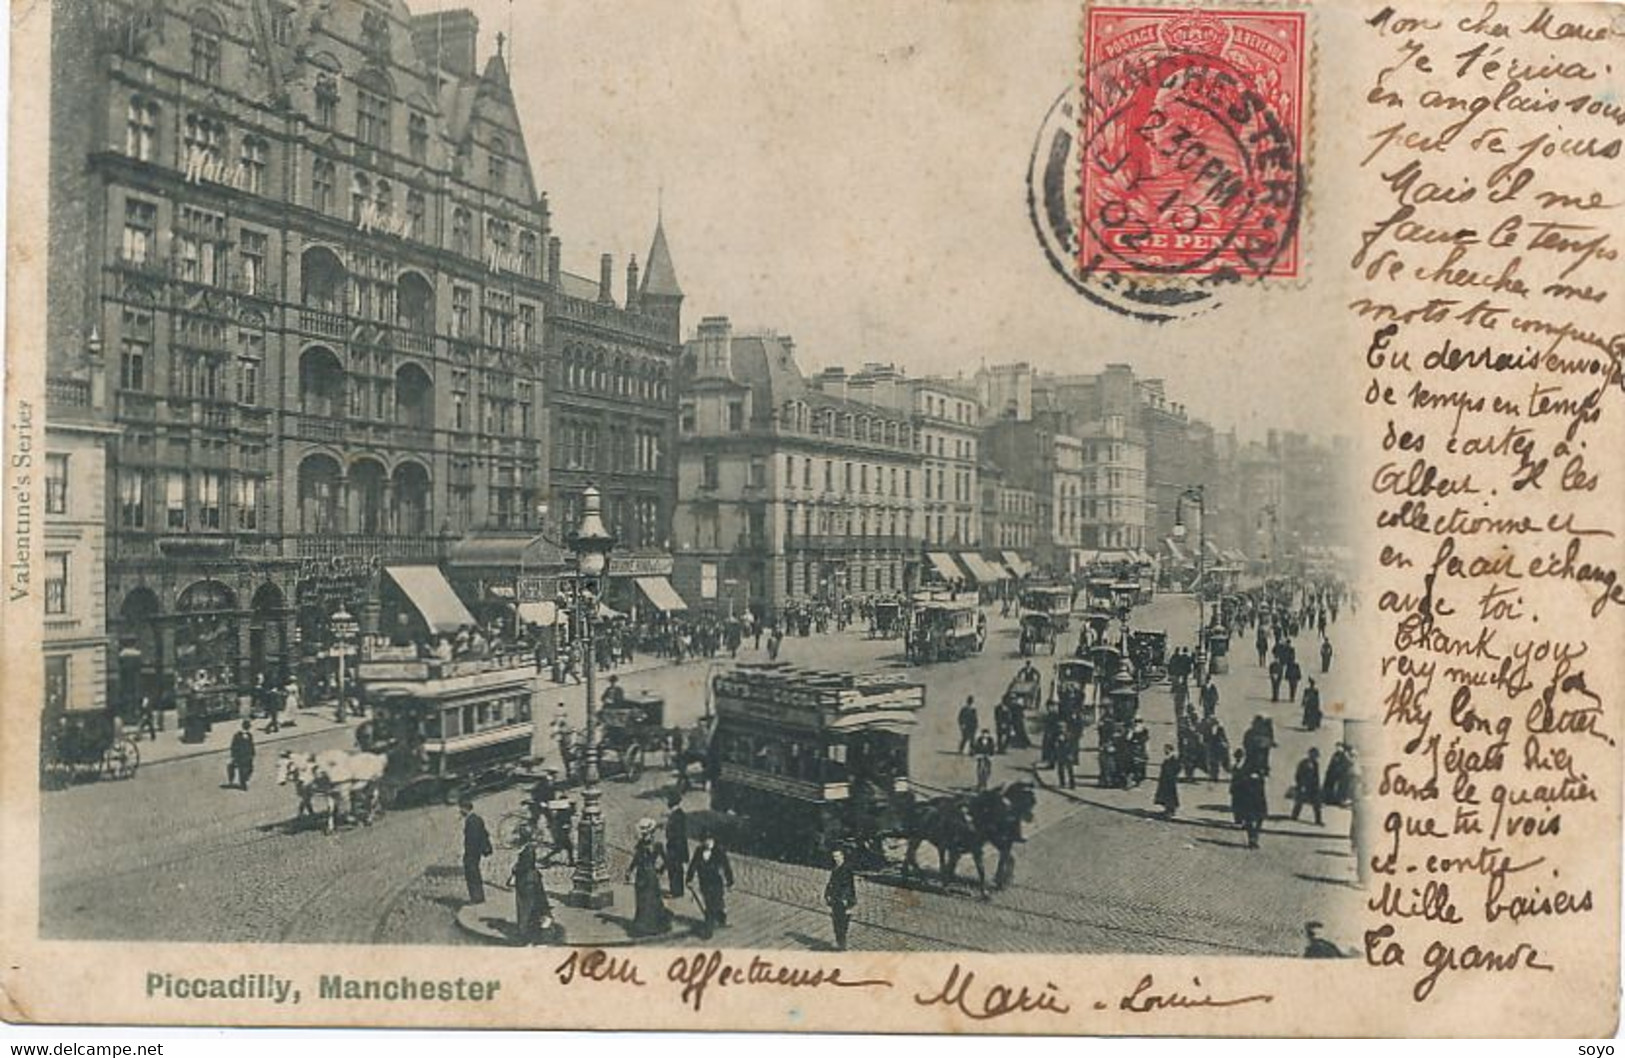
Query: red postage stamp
x,y
1192,134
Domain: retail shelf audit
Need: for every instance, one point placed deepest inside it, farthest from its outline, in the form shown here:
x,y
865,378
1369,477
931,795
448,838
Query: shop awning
x,y
1017,564
1084,556
1232,555
658,590
429,592
1175,550
539,613
505,549
979,568
945,566
1213,549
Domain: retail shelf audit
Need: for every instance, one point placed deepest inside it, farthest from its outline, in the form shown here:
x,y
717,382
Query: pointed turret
x,y
660,295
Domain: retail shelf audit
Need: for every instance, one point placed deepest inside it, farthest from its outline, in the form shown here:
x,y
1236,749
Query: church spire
x,y
659,277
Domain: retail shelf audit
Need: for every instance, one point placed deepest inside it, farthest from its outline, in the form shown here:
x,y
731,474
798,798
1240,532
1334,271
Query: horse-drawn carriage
x,y
1038,632
78,746
808,761
811,759
946,631
889,620
438,730
1053,601
1026,690
1148,650
1073,679
1125,595
632,730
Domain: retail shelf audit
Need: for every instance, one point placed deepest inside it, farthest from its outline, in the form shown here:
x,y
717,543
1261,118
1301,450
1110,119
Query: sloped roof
x,y
659,277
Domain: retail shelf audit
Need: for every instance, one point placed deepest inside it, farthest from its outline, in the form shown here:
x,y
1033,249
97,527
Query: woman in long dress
x,y
645,872
1168,782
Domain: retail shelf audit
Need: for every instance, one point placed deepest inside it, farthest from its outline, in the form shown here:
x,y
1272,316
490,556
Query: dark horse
x,y
958,824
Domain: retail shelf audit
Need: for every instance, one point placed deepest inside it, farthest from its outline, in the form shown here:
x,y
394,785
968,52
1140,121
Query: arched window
x,y
384,196
372,106
462,232
360,195
206,31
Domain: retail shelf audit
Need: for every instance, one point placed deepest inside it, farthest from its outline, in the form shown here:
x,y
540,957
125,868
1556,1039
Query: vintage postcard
x,y
1026,517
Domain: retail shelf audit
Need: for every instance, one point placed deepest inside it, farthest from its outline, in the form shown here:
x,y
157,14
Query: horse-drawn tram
x,y
813,759
446,726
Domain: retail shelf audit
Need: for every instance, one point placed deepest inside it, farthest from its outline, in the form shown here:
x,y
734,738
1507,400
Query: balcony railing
x,y
327,324
410,341
67,392
134,404
321,428
420,437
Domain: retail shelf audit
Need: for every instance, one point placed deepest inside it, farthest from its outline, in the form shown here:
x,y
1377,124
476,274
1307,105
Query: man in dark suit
x,y
676,843
241,767
476,846
1306,785
711,873
841,894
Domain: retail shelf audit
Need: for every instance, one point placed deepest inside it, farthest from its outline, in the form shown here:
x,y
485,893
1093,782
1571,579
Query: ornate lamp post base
x,y
589,885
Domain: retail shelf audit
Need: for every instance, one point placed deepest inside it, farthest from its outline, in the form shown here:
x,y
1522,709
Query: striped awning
x,y
945,566
1017,564
1175,550
980,568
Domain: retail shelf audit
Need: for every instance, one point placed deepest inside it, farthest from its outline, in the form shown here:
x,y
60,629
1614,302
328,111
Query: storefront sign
x,y
338,567
640,566
373,219
203,168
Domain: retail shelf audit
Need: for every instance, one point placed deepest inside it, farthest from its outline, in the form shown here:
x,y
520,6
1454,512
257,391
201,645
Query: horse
x,y
343,777
961,824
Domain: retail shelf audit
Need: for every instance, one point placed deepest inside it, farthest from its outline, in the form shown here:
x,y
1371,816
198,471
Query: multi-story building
x,y
947,434
67,505
1042,455
1113,486
304,244
786,492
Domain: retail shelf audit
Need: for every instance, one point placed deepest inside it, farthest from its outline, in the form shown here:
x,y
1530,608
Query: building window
x,y
254,154
56,483
135,348
205,51
371,118
417,136
462,232
758,473
208,499
416,214
322,180
498,167
709,472
360,196
132,499
462,312
529,257
140,231
56,682
686,418
527,326
205,141
200,246
327,101
254,249
736,415
248,503
248,381
56,582
141,130
175,500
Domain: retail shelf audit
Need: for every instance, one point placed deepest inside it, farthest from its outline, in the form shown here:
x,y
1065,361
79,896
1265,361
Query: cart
x,y
1072,682
81,746
1025,692
633,728
1037,631
946,631
888,620
1148,649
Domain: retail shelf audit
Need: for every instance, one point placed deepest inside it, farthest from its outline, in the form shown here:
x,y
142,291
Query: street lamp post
x,y
1196,494
591,543
344,629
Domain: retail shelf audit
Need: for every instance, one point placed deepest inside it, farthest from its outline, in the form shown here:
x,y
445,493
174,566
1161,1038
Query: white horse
x,y
342,777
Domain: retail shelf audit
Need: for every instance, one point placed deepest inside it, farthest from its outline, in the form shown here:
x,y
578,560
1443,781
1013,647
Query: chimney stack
x,y
554,250
447,40
632,284
606,272
715,351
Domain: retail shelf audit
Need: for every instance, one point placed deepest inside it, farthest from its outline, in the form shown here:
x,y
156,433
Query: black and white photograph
x,y
435,558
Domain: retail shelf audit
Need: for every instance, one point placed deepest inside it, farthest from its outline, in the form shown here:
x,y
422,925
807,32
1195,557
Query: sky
x,y
854,175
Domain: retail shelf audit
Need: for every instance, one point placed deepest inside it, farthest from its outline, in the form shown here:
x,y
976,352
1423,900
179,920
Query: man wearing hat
x,y
1306,785
841,894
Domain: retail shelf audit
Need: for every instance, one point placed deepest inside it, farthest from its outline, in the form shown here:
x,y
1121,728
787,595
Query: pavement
x,y
172,855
